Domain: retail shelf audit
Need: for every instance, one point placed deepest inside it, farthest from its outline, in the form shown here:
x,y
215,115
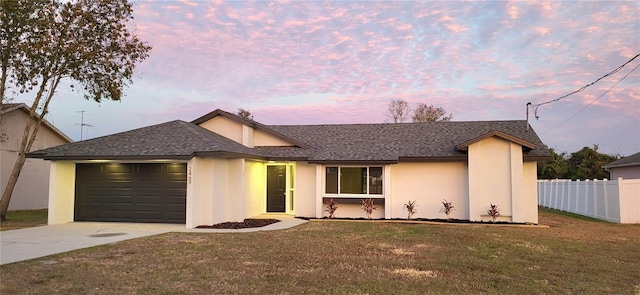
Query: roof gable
x,y
10,107
250,123
494,133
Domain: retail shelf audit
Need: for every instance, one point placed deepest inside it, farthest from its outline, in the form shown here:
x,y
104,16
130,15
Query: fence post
x,y
586,197
606,199
577,184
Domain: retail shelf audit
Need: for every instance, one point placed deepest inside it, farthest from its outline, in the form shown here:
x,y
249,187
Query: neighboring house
x,y
32,189
627,167
222,167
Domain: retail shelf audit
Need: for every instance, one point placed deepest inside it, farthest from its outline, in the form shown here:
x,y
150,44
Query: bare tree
x,y
429,113
44,42
398,111
245,114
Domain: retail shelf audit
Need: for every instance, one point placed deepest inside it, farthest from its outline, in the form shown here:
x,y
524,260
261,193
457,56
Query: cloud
x,y
328,62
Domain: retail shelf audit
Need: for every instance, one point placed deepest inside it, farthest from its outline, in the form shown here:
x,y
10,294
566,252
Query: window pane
x,y
375,180
353,180
331,186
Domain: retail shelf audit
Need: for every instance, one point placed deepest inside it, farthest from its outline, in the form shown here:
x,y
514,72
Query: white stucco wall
x,y
255,201
498,175
530,185
61,192
355,210
429,184
200,178
305,190
223,190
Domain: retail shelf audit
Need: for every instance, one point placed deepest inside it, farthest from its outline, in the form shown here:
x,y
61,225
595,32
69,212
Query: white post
x,y
606,200
595,197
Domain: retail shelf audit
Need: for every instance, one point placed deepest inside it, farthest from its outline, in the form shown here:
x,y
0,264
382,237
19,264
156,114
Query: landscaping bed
x,y
247,223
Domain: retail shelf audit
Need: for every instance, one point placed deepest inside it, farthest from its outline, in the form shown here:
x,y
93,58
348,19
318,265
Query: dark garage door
x,y
128,192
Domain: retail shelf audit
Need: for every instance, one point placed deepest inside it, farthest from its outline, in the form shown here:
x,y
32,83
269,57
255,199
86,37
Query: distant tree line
x,y
584,164
399,111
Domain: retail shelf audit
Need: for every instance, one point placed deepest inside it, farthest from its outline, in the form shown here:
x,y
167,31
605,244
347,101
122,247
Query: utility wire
x,y
601,95
536,106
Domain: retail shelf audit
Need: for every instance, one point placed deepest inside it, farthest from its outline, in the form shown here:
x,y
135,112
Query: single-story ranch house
x,y
222,167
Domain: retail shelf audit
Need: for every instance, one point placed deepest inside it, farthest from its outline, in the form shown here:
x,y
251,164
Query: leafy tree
x,y
43,42
245,114
398,110
587,164
429,113
557,167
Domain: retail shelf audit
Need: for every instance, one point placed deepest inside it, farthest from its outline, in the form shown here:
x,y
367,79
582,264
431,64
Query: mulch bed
x,y
247,223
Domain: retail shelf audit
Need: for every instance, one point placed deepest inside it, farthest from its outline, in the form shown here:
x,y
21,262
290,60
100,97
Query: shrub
x,y
410,207
332,206
447,208
368,206
494,212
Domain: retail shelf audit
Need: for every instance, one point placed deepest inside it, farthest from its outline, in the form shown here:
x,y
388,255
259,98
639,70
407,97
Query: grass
x,y
572,256
24,218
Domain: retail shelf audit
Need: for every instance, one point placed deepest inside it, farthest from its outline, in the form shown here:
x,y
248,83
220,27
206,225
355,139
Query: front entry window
x,y
353,180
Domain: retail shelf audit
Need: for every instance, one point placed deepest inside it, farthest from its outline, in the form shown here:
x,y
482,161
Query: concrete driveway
x,y
23,244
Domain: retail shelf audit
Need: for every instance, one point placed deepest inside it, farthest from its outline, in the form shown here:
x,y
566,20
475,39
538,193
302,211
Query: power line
x,y
601,95
536,106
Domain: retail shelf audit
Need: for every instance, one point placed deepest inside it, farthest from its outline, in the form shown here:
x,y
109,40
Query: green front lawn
x,y
24,218
572,256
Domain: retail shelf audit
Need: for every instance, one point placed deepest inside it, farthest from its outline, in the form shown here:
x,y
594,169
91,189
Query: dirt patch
x,y
247,223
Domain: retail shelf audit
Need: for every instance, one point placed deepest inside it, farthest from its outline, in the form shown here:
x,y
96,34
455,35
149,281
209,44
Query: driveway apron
x,y
29,243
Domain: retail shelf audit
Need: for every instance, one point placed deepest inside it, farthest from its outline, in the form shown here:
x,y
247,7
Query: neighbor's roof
x,y
633,160
339,143
10,107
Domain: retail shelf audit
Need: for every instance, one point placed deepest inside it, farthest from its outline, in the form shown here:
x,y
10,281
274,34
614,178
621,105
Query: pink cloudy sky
x,y
311,62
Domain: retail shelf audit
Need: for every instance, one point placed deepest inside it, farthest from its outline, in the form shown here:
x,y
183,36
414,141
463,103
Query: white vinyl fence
x,y
611,200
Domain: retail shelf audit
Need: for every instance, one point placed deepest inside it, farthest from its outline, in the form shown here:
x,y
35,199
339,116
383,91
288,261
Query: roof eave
x,y
353,162
111,157
622,165
461,158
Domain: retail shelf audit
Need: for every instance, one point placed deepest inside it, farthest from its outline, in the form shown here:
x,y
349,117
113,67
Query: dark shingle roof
x,y
171,140
383,143
633,160
409,141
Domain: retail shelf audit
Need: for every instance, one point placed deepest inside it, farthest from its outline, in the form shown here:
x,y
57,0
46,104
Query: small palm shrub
x,y
410,207
332,206
494,212
447,208
368,206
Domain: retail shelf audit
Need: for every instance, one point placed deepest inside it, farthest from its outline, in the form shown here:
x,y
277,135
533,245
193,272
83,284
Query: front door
x,y
276,188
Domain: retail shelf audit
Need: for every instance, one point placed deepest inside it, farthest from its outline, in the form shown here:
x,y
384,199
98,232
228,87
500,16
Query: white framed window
x,y
353,180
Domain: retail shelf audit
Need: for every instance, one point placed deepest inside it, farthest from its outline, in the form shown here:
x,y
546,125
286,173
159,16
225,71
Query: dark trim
x,y
461,158
298,159
363,162
114,158
227,155
343,200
